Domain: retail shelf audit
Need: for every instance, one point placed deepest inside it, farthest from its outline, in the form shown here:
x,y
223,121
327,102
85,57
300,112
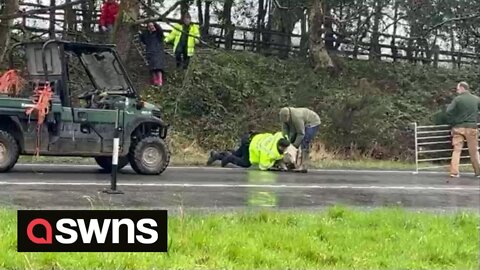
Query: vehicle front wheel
x,y
149,156
106,163
9,151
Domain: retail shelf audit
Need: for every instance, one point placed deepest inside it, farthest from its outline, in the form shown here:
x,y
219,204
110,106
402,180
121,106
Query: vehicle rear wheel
x,y
9,151
149,156
106,163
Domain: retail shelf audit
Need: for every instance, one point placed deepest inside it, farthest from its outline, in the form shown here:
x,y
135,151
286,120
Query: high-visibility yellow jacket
x,y
263,150
193,37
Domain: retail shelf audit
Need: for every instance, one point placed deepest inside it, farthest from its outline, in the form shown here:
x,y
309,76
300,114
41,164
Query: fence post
x,y
51,27
416,147
436,55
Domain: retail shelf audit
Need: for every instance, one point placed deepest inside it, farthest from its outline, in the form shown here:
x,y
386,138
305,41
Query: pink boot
x,y
154,79
159,79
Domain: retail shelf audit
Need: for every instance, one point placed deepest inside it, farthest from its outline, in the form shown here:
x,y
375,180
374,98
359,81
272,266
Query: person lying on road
x,y
258,149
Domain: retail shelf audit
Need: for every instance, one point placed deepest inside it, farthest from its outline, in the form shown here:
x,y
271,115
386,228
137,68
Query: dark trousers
x,y
241,156
182,58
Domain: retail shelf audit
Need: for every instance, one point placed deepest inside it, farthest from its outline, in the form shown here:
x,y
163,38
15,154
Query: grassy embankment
x,y
338,238
366,109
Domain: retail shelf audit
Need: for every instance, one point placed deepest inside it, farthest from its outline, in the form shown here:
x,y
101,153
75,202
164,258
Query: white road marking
x,y
239,169
188,185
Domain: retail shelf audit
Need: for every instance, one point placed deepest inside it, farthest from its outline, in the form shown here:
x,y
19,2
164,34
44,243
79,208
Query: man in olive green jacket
x,y
300,126
462,114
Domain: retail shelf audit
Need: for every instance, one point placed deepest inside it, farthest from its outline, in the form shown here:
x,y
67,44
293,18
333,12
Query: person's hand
x,y
104,28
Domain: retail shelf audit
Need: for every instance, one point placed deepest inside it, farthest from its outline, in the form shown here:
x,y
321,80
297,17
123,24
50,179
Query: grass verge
x,y
338,238
200,160
186,152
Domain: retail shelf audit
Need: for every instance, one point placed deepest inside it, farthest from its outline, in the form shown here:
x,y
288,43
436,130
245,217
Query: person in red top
x,y
108,15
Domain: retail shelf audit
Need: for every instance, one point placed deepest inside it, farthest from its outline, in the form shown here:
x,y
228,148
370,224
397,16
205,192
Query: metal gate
x,y
433,148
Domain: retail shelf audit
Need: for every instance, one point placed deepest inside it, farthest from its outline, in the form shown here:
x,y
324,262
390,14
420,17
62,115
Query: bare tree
x,y
184,6
88,12
200,12
69,20
375,49
286,13
206,18
125,26
318,52
11,6
227,23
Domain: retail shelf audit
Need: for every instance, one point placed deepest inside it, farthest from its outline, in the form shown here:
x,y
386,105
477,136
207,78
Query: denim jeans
x,y
310,133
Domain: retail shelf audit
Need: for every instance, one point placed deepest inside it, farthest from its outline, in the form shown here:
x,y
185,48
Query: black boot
x,y
214,156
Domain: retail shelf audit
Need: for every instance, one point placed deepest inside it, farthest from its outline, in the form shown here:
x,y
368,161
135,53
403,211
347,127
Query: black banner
x,y
92,231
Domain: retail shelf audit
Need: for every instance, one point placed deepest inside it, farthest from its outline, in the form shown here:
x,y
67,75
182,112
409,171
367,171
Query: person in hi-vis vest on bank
x,y
184,37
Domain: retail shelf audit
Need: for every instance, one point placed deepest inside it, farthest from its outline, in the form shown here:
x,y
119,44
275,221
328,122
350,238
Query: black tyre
x,y
106,163
149,156
9,151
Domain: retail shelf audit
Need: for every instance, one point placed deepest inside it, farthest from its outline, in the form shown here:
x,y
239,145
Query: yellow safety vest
x,y
193,38
263,150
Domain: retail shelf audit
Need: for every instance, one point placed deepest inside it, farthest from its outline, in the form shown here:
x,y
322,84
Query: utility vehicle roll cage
x,y
57,72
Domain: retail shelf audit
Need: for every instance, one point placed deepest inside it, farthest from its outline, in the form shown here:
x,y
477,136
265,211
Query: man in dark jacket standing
x,y
155,53
462,114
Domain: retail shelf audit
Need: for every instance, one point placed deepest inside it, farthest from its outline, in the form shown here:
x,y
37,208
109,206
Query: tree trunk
x,y
11,6
260,20
283,21
150,12
184,6
266,36
304,38
200,14
318,53
125,27
88,8
395,25
452,46
375,49
69,20
357,38
227,24
206,19
51,28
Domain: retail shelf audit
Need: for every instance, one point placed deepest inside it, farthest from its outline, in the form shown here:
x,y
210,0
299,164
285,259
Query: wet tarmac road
x,y
80,187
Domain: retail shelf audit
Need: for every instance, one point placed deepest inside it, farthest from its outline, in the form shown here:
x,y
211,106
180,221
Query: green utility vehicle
x,y
93,99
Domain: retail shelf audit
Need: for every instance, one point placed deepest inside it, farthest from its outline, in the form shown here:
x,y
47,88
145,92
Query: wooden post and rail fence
x,y
69,23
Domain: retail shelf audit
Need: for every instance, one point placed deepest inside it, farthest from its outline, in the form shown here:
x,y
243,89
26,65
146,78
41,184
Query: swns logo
x,y
92,231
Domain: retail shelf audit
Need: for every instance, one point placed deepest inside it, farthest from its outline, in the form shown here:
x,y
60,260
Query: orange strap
x,y
41,100
11,82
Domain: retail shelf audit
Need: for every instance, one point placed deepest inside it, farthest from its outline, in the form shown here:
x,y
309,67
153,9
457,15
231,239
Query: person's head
x,y
151,27
462,87
186,18
282,145
284,115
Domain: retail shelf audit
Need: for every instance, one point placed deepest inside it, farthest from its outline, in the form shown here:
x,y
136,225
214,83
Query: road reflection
x,y
259,196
